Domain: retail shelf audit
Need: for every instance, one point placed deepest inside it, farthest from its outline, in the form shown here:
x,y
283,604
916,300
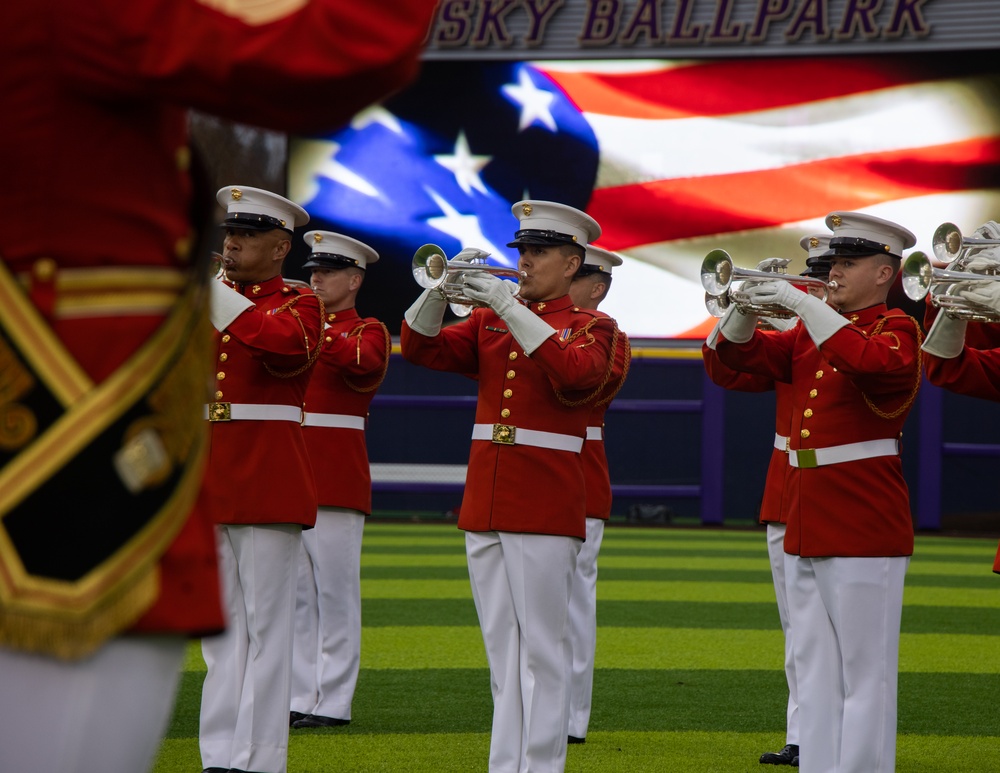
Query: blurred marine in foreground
x,y
104,337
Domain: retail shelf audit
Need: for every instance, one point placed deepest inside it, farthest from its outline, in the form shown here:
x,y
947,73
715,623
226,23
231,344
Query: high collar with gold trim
x,y
549,307
342,316
867,316
261,289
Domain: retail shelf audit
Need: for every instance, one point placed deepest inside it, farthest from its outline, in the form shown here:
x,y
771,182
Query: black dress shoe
x,y
315,720
574,739
787,756
295,716
795,761
215,770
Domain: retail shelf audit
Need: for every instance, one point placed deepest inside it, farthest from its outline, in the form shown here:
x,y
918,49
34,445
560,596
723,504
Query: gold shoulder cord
x,y
625,370
916,386
585,330
385,366
290,306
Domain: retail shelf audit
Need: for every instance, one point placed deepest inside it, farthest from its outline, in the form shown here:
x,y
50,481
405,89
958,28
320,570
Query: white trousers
x,y
776,553
245,697
583,629
327,651
521,587
846,614
106,713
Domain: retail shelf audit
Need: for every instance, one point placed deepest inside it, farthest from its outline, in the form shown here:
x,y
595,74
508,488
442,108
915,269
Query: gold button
x,y
813,392
255,289
504,413
804,433
819,374
512,356
218,395
329,340
286,289
221,375
44,269
808,412
510,374
225,338
223,357
182,248
508,392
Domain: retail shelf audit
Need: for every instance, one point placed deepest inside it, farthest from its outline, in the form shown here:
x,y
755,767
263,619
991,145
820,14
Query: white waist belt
x,y
780,442
595,433
851,452
340,420
509,435
244,412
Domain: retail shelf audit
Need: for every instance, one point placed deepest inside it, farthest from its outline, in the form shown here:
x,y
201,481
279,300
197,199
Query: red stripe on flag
x,y
663,210
738,86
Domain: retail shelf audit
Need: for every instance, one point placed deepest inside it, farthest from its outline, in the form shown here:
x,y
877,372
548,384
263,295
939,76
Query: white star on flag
x,y
535,103
465,228
317,158
464,165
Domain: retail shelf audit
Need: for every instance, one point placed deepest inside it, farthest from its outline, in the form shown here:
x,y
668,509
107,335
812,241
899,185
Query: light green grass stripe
x,y
675,648
649,590
604,752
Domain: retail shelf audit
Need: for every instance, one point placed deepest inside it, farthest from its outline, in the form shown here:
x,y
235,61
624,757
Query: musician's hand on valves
x,y
483,287
986,261
773,264
471,254
820,320
984,293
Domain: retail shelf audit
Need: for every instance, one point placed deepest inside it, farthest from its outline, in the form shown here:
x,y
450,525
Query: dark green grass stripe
x,y
457,701
987,580
379,613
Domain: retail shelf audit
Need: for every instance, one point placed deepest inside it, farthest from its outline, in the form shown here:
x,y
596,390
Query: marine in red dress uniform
x,y
849,535
541,366
963,356
98,267
589,288
773,506
350,368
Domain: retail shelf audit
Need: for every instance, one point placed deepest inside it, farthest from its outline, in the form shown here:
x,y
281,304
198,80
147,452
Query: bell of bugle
x,y
949,244
921,279
432,269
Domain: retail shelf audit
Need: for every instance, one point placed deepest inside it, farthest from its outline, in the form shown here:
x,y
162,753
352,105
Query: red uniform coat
x,y
522,488
859,386
94,151
258,471
773,503
344,380
593,455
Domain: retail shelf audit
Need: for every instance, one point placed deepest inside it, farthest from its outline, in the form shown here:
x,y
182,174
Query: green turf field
x,y
689,661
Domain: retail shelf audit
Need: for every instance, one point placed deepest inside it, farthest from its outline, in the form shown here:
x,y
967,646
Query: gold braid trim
x,y
385,366
916,386
585,330
625,370
314,354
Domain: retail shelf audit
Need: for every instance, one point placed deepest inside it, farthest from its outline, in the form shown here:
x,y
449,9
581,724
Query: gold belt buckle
x,y
504,434
220,412
806,457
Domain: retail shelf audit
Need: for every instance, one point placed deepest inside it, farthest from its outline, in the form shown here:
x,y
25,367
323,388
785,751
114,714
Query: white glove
x,y
984,293
736,326
779,324
988,230
225,304
470,254
820,320
528,328
770,264
946,337
483,287
713,336
426,313
987,259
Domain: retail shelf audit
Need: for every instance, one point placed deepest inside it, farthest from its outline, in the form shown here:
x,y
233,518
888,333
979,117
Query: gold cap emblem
x,y
282,223
236,193
836,220
526,209
813,242
317,238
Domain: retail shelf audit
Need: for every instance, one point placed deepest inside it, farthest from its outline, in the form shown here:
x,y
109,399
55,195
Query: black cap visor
x,y
853,246
251,222
544,238
330,260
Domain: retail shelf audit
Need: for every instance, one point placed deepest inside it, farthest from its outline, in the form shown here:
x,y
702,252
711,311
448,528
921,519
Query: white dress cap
x,y
259,210
600,259
333,250
816,244
547,222
858,234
